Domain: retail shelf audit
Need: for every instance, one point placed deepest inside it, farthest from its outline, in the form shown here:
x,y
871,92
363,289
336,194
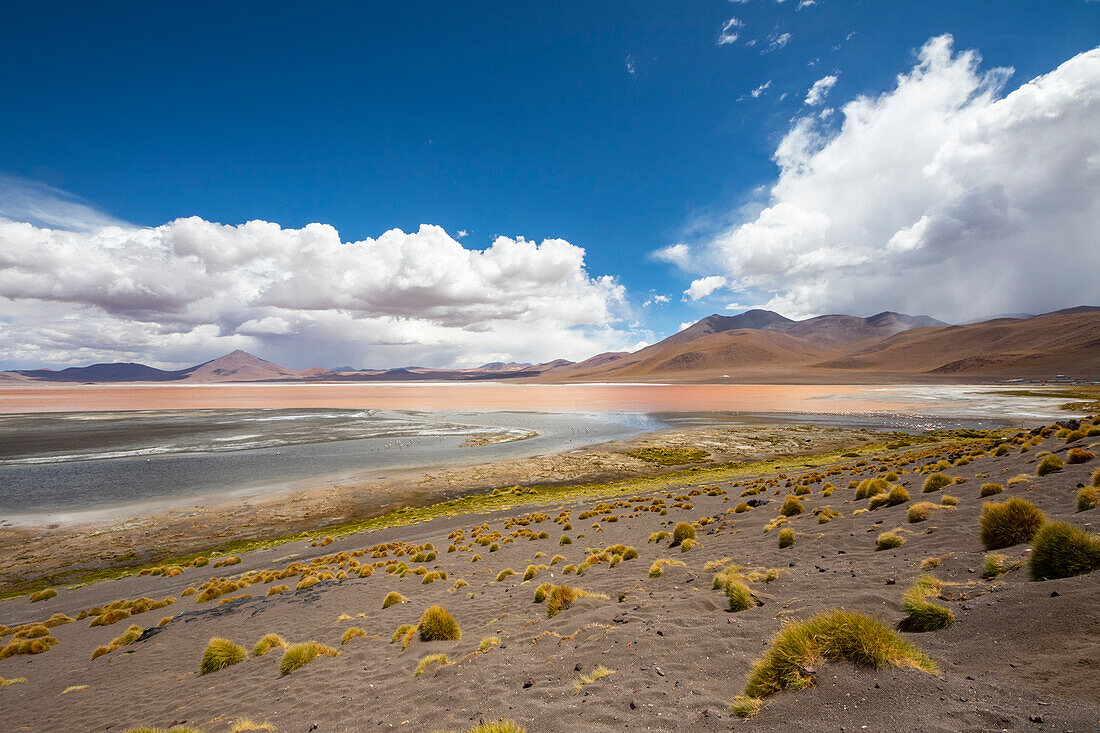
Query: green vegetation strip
x,y
501,499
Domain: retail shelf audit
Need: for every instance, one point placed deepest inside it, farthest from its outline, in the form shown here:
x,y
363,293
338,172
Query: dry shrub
x,y
266,643
221,653
297,656
436,624
1049,464
1009,523
935,482
1079,455
1060,550
835,636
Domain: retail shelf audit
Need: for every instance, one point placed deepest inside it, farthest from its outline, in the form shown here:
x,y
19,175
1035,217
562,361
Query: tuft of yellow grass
x,y
598,673
299,655
423,664
837,635
266,643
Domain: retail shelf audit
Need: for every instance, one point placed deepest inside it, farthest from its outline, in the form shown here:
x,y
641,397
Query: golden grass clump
x,y
896,495
995,564
920,511
562,597
930,563
889,540
436,624
1088,498
682,531
277,589
836,636
405,632
219,654
110,617
586,679
786,537
1079,455
488,643
658,566
1009,523
1049,464
505,574
738,594
791,506
299,655
393,597
989,489
1096,477
266,643
129,636
744,706
935,482
307,582
422,666
43,595
923,614
1060,550
355,632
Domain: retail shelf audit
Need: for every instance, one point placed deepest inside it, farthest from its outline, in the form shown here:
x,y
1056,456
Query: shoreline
x,y
386,480
66,553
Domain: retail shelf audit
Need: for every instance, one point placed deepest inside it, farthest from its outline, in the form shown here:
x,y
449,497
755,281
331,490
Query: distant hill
x,y
240,366
887,346
118,372
755,346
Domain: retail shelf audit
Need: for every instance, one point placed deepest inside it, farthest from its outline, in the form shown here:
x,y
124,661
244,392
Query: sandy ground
x,y
28,553
1018,653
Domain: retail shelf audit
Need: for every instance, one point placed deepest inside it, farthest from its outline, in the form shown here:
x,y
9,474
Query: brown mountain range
x,y
755,346
838,348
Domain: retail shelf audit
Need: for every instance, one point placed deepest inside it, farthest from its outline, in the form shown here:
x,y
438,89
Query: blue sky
x,y
622,128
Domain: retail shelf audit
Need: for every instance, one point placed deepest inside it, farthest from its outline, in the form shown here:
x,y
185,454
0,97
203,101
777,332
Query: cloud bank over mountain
x,y
193,289
944,195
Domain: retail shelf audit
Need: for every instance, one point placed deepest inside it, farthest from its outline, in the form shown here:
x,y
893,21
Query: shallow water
x,y
60,467
67,451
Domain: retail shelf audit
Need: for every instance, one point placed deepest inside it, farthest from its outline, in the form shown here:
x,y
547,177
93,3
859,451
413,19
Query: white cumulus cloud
x,y
820,90
944,195
192,289
704,286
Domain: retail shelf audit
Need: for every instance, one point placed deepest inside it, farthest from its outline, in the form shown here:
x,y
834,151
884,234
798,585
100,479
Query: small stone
x,y
530,682
659,671
1035,718
890,581
1055,594
633,705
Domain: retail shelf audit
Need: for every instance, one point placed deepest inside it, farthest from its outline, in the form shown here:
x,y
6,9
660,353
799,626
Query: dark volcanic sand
x,y
1018,648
